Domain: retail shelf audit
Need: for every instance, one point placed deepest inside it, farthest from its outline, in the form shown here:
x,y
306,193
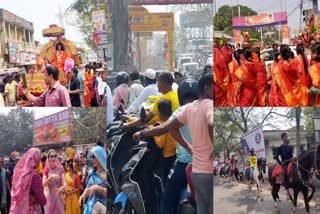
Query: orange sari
x,y
232,69
246,84
220,79
314,72
273,99
288,83
305,84
262,81
58,62
88,96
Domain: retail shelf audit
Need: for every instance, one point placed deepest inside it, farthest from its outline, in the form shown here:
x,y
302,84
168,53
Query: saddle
x,y
278,170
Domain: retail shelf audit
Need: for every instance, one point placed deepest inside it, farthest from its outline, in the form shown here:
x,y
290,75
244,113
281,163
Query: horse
x,y
259,170
224,171
300,177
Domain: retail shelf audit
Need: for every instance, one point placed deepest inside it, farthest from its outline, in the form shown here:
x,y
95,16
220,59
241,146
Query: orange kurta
x,y
221,79
305,84
314,72
246,86
288,83
59,63
88,91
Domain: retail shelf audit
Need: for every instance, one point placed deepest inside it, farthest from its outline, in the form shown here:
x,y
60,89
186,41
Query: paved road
x,y
230,198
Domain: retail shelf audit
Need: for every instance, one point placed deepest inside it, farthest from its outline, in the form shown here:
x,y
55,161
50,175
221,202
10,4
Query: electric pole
x,y
301,10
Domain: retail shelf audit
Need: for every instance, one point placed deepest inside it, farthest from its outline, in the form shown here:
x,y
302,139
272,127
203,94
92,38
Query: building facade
x,y
17,44
272,140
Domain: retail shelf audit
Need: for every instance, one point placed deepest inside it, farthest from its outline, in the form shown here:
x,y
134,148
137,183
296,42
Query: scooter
x,y
142,187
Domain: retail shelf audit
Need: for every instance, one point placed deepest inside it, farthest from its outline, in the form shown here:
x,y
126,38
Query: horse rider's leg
x,y
305,191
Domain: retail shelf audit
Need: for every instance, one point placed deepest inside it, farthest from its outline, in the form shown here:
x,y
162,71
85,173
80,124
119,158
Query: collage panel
x,y
53,160
266,160
165,83
266,54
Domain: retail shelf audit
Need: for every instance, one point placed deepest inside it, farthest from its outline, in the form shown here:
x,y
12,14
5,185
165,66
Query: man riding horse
x,y
252,162
286,153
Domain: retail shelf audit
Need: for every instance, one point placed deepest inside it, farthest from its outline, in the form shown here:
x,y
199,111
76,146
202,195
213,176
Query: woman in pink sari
x,y
27,191
54,183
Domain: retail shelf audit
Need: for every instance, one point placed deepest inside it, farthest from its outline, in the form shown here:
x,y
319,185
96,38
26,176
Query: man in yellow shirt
x,y
165,81
10,92
252,162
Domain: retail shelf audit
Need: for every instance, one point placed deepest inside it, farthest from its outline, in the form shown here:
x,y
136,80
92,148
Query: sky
x,y
39,111
270,6
45,12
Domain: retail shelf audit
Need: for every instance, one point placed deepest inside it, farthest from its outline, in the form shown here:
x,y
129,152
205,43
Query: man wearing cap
x,y
286,153
150,90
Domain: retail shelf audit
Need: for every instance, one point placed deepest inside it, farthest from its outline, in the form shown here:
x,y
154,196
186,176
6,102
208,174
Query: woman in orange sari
x,y
73,190
273,99
236,62
88,86
262,79
287,75
246,81
305,78
220,78
314,72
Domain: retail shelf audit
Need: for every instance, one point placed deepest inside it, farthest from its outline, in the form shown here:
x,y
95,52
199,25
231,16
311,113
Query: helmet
x,y
188,86
122,77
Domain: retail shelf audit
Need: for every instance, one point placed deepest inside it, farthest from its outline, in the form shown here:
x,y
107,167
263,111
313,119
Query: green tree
x,y
223,19
83,18
16,130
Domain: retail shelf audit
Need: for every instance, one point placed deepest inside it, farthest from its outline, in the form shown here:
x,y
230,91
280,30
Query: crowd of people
x,y
180,120
45,183
86,88
242,79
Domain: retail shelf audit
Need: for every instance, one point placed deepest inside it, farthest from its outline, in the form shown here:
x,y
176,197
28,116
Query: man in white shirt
x,y
135,87
150,90
110,115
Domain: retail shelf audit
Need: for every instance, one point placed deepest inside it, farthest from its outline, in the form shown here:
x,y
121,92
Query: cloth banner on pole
x,y
285,34
253,139
237,36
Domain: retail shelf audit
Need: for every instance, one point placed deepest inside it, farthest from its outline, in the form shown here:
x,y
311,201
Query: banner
x,y
253,139
261,20
13,52
164,2
99,21
53,129
285,34
237,36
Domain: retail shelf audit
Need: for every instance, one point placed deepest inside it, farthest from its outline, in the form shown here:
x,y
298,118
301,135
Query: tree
x,y
227,135
223,19
16,130
120,34
83,18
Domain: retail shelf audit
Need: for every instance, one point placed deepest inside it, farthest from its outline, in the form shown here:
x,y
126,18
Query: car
x,y
189,68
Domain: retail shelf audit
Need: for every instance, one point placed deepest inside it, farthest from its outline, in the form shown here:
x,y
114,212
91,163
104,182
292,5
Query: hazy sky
x,y
45,12
39,111
269,6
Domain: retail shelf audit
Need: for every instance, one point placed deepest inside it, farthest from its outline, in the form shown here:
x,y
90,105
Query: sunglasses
x,y
53,156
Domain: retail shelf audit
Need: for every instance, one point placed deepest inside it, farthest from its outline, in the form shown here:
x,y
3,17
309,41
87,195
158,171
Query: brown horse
x,y
300,177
